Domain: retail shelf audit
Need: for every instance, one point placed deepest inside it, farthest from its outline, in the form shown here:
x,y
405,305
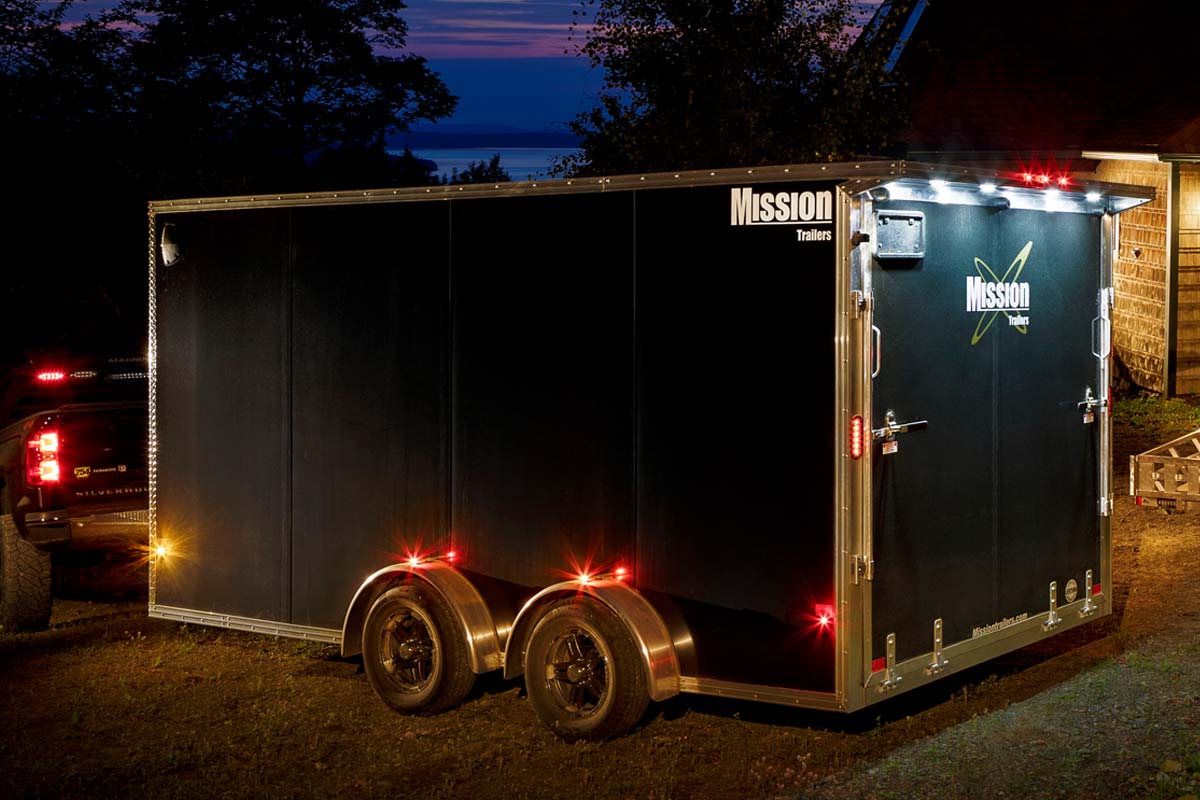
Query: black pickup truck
x,y
73,473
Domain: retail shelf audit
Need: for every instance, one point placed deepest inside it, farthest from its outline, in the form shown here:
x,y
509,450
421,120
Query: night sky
x,y
504,58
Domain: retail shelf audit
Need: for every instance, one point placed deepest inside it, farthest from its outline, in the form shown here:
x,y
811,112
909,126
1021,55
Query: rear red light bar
x,y
41,458
856,436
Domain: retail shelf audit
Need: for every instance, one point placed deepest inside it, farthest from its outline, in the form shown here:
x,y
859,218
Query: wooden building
x,y
1075,88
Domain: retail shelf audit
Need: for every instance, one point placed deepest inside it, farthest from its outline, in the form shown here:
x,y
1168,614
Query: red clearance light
x,y
1027,177
584,578
1095,589
41,458
451,556
824,614
1139,500
51,376
620,573
879,665
856,436
1063,180
1043,179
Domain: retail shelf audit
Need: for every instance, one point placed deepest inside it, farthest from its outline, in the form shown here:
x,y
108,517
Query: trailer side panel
x,y
370,358
223,479
736,431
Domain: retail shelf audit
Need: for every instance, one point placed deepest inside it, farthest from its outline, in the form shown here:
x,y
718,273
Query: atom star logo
x,y
1006,295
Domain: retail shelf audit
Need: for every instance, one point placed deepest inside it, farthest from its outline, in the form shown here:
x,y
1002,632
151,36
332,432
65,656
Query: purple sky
x,y
503,58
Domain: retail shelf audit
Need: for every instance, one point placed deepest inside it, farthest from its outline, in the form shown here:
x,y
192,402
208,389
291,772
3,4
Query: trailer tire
x,y
24,581
414,653
583,672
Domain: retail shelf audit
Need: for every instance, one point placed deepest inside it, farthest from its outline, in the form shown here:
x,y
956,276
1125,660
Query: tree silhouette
x,y
692,84
236,94
488,171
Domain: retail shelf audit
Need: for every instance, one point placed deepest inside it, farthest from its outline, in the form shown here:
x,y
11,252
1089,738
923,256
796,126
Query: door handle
x,y
878,351
892,428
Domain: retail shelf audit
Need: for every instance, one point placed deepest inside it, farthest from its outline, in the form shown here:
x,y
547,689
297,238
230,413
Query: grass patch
x,y
1148,410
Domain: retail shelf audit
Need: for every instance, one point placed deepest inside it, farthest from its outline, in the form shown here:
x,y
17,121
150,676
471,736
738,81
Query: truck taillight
x,y
856,436
41,458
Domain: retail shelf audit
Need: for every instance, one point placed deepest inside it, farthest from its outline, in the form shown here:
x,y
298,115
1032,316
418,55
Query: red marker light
x,y
824,614
1063,180
856,436
451,556
1027,177
1139,500
1043,179
414,561
879,665
1095,589
620,573
51,376
584,578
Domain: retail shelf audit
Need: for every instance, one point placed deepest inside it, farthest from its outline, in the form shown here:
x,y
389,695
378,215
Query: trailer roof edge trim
x,y
901,179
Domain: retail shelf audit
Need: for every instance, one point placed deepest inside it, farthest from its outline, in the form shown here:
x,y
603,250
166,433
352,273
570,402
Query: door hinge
x,y
890,679
862,568
1089,607
938,664
1053,620
1106,504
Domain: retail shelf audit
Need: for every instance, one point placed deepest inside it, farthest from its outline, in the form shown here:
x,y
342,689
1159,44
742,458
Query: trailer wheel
x,y
583,672
413,652
24,581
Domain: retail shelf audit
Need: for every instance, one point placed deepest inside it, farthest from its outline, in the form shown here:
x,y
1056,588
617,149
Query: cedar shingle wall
x,y
1138,309
1187,375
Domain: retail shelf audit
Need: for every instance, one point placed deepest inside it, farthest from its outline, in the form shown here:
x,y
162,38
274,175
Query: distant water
x,y
522,163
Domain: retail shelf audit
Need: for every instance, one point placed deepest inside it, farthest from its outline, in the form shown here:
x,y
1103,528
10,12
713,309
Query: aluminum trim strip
x,y
152,410
212,619
868,173
764,694
857,176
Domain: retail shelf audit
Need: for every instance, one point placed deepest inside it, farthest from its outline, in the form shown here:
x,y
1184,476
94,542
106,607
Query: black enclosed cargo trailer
x,y
808,435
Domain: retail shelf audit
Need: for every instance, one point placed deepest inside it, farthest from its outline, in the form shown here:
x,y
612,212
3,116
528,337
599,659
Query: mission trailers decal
x,y
803,209
990,295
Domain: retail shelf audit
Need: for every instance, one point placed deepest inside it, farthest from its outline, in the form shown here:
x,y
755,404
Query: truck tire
x,y
583,672
24,581
414,651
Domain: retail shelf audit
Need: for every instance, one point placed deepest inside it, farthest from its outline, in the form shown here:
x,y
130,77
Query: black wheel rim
x,y
577,672
409,650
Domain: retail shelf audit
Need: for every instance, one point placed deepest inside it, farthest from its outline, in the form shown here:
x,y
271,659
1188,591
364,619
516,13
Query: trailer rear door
x,y
987,336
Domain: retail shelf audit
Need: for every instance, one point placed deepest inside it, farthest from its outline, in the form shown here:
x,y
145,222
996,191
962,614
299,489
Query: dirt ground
x,y
109,703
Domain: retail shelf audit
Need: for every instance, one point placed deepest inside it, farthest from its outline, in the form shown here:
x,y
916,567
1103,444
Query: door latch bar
x,y
1090,401
891,428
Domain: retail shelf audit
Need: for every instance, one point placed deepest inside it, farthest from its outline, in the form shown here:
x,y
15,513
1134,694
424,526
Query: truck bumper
x,y
55,530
